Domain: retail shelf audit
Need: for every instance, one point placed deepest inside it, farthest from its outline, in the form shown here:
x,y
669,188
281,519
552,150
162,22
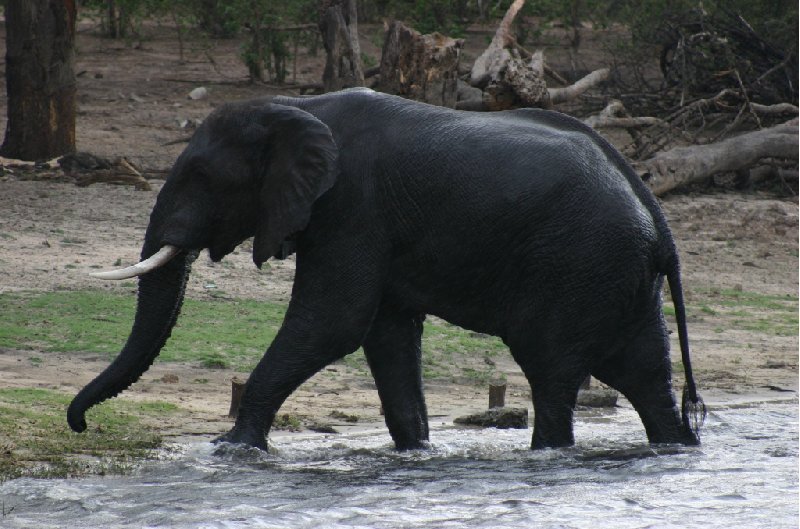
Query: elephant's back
x,y
493,218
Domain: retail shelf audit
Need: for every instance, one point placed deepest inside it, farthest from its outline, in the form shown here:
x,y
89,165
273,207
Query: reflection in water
x,y
744,475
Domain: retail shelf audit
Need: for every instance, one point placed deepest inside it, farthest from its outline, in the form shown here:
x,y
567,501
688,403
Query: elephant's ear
x,y
299,165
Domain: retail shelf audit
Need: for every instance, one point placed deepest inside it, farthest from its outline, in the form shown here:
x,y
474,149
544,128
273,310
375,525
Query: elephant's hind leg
x,y
642,372
394,353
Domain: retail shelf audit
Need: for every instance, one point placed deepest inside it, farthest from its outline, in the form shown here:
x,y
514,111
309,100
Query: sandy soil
x,y
134,99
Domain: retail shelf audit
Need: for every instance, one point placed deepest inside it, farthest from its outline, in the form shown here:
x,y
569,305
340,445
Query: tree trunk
x,y
115,30
497,394
420,67
339,27
237,391
40,79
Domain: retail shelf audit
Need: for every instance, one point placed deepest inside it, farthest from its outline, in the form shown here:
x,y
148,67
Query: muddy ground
x,y
133,99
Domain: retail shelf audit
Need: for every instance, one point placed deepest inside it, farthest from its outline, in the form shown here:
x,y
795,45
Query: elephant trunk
x,y
159,301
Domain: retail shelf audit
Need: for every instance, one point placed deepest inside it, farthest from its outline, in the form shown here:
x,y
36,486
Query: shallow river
x,y
744,475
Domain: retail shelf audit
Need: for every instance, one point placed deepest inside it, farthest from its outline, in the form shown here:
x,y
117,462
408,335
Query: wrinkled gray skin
x,y
522,224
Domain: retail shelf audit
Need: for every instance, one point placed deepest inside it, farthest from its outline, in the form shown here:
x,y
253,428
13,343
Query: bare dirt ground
x,y
133,99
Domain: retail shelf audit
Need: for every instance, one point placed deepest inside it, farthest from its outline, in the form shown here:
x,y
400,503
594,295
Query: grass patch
x,y
216,333
451,352
233,334
36,441
286,421
775,315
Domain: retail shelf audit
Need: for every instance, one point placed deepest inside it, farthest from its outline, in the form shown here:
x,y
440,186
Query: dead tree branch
x,y
560,95
511,76
496,54
614,115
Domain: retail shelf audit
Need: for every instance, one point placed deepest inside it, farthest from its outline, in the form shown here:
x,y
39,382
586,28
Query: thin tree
x,y
40,79
339,27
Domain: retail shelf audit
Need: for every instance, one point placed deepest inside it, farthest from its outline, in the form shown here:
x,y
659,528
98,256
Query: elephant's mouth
x,y
217,251
157,260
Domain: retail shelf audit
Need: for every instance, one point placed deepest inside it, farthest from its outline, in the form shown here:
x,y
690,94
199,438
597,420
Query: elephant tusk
x,y
157,260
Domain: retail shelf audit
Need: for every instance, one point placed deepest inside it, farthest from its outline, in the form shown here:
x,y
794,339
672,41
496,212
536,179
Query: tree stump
x,y
339,27
420,67
237,390
497,394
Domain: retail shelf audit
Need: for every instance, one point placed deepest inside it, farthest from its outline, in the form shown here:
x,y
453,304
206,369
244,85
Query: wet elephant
x,y
522,224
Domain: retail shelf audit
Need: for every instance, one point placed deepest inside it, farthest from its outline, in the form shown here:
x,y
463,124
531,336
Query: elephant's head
x,y
252,168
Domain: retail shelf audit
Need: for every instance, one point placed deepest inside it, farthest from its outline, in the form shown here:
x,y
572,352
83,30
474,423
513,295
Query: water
x,y
744,475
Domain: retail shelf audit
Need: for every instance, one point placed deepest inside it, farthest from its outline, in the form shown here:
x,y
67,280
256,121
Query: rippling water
x,y
744,475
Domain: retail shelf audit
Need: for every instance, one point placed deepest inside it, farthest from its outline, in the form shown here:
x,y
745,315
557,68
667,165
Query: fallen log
x,y
88,169
684,165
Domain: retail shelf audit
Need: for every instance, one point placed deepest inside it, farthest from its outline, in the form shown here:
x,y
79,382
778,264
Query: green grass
x,y
451,352
216,333
36,441
775,315
233,334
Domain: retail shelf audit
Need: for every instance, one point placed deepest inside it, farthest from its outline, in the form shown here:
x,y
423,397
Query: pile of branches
x,y
709,57
727,103
705,54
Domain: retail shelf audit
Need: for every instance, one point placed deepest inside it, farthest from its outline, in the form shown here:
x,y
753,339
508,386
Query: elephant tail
x,y
693,409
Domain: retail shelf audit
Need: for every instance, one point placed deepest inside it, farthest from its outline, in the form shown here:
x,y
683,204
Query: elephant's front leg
x,y
394,352
555,379
306,343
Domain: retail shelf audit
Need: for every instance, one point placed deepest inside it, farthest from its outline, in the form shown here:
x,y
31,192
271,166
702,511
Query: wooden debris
x,y
614,115
420,67
511,76
503,418
87,169
496,55
568,93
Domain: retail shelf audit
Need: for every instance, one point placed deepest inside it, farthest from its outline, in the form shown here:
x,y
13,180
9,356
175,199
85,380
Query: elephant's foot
x,y
664,425
409,431
540,442
681,435
552,425
245,437
416,444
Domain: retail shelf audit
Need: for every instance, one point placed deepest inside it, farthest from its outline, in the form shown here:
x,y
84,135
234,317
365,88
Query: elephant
x,y
522,224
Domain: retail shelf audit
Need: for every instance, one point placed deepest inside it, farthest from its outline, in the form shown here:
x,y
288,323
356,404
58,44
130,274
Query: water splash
x,y
744,475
